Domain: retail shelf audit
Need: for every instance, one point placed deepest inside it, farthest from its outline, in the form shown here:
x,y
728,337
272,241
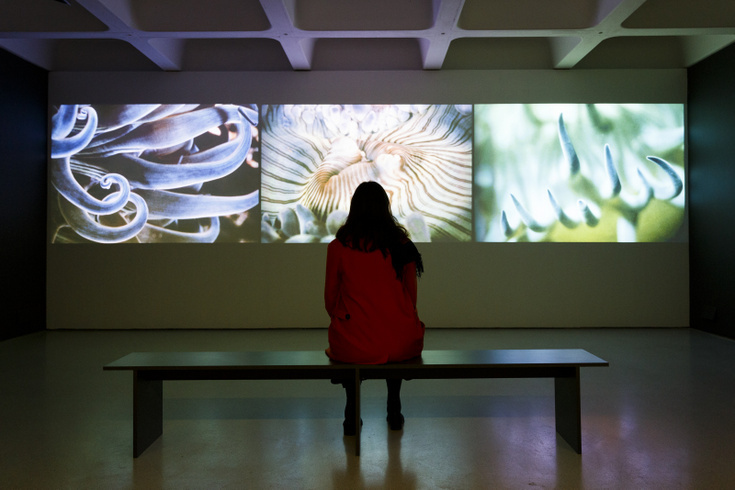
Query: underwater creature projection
x,y
154,173
314,156
580,173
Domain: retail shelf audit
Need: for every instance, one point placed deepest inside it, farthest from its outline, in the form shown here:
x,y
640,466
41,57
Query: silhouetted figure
x,y
370,294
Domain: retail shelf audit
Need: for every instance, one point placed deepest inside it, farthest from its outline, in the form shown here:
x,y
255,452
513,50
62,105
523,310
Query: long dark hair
x,y
371,226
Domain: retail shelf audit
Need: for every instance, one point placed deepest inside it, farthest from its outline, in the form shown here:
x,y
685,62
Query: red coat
x,y
373,314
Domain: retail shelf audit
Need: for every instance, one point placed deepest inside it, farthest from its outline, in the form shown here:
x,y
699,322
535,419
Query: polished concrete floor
x,y
661,416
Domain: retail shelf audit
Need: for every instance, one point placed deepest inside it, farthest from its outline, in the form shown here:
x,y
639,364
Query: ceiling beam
x,y
435,46
299,50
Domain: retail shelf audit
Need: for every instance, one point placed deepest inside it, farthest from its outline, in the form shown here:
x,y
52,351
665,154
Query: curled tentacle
x,y
85,226
678,185
307,220
563,218
64,182
116,116
173,130
290,225
508,230
226,152
174,205
250,113
203,166
117,121
64,146
527,218
335,220
567,147
612,173
62,122
587,214
629,206
268,233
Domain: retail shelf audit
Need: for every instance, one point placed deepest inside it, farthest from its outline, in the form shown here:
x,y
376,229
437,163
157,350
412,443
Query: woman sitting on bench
x,y
370,294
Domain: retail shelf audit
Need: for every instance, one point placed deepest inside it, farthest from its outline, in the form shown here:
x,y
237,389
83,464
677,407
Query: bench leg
x,y
567,401
147,412
358,423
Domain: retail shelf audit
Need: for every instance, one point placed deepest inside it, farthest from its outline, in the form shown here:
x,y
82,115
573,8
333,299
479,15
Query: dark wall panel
x,y
712,193
23,114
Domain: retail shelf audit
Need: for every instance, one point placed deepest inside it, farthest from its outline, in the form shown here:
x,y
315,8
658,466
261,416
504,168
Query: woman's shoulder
x,y
335,245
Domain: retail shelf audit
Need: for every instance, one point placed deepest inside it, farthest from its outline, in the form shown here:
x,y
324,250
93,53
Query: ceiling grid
x,y
334,35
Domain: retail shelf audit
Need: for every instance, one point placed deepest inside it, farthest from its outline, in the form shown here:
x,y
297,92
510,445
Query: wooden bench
x,y
150,369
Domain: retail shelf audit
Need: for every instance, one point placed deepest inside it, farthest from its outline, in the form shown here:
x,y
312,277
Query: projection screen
x,y
259,173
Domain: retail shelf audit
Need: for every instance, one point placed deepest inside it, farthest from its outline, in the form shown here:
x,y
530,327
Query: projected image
x,y
314,156
148,173
579,173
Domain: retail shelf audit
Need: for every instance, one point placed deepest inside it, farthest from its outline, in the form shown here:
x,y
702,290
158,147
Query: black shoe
x,y
395,421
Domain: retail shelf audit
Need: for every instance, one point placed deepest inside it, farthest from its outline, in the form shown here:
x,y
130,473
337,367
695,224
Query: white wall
x,y
274,286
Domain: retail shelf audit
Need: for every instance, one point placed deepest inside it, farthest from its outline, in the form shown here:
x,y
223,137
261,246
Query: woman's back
x,y
373,312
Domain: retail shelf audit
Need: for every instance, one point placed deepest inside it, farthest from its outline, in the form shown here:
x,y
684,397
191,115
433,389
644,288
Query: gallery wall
x,y
466,284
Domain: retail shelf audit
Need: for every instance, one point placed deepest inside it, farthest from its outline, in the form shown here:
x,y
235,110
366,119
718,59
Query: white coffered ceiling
x,y
327,35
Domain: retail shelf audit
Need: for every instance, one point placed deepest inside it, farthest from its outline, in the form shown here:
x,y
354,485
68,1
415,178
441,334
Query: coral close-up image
x,y
315,156
579,173
148,173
